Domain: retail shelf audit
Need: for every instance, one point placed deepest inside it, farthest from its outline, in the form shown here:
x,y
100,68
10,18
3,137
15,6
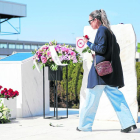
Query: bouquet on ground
x,y
66,54
8,93
4,113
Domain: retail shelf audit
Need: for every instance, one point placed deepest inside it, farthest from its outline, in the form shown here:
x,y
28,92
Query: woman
x,y
103,43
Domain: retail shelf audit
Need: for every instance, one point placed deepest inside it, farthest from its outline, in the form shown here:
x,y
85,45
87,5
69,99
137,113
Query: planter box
x,y
52,74
11,104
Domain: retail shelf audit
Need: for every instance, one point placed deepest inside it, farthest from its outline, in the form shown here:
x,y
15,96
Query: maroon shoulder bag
x,y
105,67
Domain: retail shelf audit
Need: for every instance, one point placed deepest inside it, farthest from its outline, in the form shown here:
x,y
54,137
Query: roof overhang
x,y
12,10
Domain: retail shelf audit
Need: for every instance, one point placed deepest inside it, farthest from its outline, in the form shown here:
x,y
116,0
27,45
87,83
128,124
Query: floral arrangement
x,y
4,113
8,93
66,54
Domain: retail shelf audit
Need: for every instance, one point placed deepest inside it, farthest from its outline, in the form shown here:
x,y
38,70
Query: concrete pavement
x,y
37,128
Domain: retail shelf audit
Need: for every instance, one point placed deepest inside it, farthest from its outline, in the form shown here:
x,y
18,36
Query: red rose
x,y
0,87
5,93
10,90
2,92
10,94
7,96
86,36
16,93
5,89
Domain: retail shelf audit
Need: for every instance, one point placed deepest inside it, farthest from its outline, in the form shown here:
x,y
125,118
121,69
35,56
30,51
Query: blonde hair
x,y
101,15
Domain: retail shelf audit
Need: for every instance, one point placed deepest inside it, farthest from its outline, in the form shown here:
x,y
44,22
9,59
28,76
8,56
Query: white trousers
x,y
88,110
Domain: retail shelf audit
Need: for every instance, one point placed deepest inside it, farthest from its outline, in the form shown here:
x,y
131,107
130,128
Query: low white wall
x,y
20,76
32,91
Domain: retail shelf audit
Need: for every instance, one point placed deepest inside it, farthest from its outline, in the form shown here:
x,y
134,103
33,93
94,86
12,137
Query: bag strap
x,y
111,53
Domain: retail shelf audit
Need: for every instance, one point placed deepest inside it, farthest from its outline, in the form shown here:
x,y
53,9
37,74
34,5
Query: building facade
x,y
7,47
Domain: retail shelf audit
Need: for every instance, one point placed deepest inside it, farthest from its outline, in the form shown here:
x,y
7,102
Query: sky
x,y
64,20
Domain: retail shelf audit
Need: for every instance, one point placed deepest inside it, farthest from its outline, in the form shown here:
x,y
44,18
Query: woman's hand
x,y
85,39
93,55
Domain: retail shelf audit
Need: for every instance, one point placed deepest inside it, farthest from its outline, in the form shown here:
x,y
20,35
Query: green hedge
x,y
75,76
138,81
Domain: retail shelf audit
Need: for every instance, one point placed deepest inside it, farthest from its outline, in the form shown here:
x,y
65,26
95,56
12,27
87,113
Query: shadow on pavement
x,y
64,112
135,131
138,119
106,130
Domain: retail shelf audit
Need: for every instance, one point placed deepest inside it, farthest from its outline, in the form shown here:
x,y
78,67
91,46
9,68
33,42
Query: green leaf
x,y
33,52
41,66
33,67
54,67
89,51
5,109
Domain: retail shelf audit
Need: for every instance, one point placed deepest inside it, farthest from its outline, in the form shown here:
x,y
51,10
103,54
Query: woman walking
x,y
103,43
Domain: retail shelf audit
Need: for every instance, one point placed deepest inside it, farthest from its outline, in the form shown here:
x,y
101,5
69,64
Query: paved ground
x,y
37,128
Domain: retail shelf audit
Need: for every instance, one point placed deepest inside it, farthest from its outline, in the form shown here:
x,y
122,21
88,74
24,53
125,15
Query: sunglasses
x,y
90,21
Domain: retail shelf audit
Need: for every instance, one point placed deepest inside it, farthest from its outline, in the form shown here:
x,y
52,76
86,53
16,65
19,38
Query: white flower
x,y
0,114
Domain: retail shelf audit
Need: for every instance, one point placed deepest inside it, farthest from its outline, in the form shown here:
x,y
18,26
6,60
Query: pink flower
x,y
43,59
75,60
49,53
50,43
0,87
63,49
44,47
67,50
73,53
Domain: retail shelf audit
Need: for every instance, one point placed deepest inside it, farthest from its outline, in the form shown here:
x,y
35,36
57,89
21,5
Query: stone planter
x,y
11,104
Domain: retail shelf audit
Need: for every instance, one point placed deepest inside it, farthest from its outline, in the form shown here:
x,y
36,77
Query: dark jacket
x,y
103,43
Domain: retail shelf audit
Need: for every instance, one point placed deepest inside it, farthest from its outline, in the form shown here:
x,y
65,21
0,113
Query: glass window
x,y
34,47
3,45
26,46
11,46
19,46
40,46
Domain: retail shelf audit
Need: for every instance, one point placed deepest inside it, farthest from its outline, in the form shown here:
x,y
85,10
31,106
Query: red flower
x,y
5,93
10,94
5,89
86,36
2,92
16,93
10,90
